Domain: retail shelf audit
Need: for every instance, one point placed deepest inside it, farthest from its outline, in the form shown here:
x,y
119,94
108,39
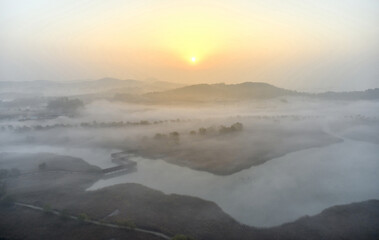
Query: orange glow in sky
x,y
280,42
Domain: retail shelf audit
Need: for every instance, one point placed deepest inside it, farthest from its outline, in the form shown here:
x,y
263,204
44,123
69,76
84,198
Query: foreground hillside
x,y
172,213
350,221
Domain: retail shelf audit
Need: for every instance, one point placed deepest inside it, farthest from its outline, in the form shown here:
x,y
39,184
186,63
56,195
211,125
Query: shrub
x,y
83,217
42,166
202,131
127,223
174,136
160,136
237,126
47,208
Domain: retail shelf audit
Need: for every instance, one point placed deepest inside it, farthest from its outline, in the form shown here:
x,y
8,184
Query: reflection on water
x,y
281,190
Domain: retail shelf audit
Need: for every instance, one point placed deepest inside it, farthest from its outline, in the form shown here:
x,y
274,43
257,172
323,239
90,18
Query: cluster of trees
x,y
235,127
42,166
65,106
175,136
359,117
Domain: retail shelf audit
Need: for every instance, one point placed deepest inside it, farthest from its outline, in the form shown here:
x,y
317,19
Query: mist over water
x,y
278,191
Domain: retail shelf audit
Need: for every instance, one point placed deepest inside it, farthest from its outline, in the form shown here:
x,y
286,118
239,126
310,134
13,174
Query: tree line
x,y
93,124
209,131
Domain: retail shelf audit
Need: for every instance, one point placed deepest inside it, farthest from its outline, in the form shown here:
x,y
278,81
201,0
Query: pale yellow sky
x,y
300,45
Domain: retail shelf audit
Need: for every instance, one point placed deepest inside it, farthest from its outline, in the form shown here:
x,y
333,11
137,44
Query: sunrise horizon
x,y
299,45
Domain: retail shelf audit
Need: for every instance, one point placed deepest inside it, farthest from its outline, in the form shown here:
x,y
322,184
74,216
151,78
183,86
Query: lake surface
x,y
278,191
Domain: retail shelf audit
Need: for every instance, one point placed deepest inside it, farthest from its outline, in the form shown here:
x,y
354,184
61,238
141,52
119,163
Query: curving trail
x,y
111,225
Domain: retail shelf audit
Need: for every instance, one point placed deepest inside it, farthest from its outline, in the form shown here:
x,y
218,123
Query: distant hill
x,y
219,93
213,93
161,92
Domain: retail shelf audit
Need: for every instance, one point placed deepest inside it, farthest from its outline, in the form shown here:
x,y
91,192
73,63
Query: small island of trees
x,y
209,131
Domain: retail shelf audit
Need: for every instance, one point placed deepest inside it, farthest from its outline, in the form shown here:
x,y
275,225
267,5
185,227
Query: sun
x,y
193,59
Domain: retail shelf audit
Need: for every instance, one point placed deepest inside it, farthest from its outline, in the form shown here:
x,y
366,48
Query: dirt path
x,y
55,212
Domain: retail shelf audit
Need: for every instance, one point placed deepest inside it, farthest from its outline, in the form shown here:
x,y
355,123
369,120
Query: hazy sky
x,y
297,44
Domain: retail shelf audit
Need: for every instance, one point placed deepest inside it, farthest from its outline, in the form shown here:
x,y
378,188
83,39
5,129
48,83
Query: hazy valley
x,y
215,161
